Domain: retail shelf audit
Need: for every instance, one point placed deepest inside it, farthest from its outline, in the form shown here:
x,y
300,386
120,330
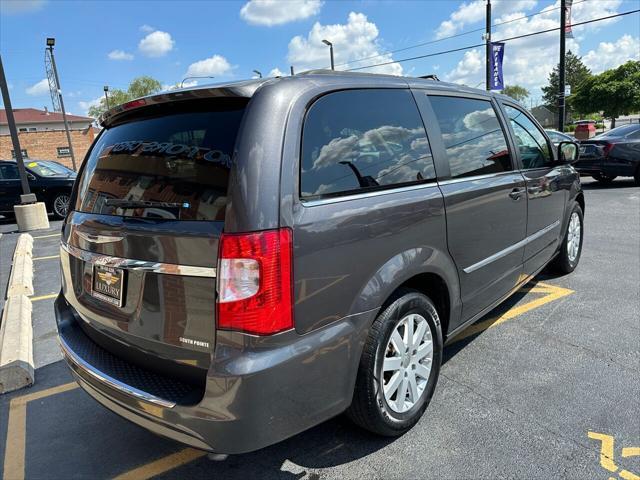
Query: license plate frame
x,y
107,284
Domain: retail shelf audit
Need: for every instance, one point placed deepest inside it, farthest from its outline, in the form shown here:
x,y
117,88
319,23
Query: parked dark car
x,y
49,180
244,261
612,154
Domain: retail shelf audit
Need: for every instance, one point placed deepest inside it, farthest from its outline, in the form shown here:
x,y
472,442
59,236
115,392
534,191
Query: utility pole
x,y
488,46
292,74
561,79
14,138
106,95
50,43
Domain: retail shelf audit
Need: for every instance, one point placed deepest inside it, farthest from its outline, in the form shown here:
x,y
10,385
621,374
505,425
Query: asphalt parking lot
x,y
546,386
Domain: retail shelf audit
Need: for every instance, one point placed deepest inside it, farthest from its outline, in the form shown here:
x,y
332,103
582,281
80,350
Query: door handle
x,y
516,193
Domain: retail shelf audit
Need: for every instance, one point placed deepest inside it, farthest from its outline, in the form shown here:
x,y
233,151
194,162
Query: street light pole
x,y
257,72
561,71
197,76
14,137
106,95
327,42
488,46
50,43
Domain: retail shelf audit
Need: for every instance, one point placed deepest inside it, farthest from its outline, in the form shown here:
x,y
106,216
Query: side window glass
x,y
533,146
357,140
473,138
8,171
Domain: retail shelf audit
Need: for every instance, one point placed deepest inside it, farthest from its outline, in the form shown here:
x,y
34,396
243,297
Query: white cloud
x,y
38,89
146,28
189,83
21,6
528,61
119,55
156,44
467,70
278,12
215,65
611,54
356,39
475,11
275,72
85,105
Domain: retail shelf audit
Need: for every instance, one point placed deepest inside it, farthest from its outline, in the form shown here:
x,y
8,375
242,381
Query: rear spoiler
x,y
238,89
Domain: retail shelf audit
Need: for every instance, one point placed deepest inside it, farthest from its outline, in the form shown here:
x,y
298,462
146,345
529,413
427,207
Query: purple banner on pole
x,y
497,54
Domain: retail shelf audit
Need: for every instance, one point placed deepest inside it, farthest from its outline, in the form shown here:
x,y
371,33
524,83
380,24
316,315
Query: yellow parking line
x,y
552,293
14,452
48,236
44,297
46,258
162,465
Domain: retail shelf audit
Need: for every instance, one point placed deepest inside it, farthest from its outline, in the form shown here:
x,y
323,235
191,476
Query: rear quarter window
x,y
177,159
360,140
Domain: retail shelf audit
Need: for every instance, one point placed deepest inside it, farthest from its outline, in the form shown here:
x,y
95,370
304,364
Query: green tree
x,y
575,73
615,92
139,87
516,92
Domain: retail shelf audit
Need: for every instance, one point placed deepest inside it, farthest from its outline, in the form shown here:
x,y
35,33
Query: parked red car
x,y
585,129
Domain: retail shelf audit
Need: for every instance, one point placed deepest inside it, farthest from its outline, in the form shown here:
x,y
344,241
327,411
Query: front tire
x,y
399,366
571,249
60,205
604,179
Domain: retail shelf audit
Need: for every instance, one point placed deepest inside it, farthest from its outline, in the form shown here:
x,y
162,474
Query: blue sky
x,y
109,42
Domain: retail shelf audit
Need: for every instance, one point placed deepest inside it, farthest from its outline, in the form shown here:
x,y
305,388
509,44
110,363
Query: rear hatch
x,y
140,247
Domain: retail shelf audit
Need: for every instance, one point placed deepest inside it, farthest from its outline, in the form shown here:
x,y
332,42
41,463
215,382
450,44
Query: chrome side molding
x,y
511,249
143,265
102,377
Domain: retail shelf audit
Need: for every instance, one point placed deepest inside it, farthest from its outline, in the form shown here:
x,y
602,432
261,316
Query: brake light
x,y
134,104
607,149
255,282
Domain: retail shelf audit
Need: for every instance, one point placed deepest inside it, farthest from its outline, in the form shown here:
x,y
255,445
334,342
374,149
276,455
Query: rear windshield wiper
x,y
110,202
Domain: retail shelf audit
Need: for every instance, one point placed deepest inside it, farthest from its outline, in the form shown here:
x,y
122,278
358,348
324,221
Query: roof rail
x,y
431,76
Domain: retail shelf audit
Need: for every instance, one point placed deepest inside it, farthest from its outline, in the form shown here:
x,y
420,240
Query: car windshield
x,y
49,169
622,131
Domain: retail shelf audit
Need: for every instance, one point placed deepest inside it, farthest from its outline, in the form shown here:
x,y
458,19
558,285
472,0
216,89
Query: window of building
x,y
64,152
533,146
22,150
474,141
357,140
32,129
22,129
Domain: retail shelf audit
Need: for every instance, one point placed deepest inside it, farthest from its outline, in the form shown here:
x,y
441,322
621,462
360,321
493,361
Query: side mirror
x,y
568,152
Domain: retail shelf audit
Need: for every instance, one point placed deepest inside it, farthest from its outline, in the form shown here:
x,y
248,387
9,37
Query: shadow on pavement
x,y
617,183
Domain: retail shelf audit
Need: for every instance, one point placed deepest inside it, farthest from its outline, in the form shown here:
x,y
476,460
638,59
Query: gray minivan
x,y
243,261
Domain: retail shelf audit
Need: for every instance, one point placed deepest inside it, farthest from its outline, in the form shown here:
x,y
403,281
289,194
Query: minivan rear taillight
x,y
255,282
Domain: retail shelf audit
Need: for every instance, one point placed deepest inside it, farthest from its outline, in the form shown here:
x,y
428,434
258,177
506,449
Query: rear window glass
x,y
173,165
357,140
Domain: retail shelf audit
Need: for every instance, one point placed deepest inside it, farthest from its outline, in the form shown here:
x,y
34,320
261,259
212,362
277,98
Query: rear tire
x,y
571,248
406,361
604,179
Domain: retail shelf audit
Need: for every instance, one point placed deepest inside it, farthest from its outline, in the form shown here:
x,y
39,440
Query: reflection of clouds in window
x,y
474,141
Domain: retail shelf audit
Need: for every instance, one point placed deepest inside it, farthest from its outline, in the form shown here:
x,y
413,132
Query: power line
x,y
468,47
461,34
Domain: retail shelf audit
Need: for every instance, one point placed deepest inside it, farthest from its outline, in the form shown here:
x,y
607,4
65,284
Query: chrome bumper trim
x,y
132,264
512,248
102,377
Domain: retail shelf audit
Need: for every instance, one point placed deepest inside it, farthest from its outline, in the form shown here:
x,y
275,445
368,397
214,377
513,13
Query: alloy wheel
x,y
407,363
61,205
574,234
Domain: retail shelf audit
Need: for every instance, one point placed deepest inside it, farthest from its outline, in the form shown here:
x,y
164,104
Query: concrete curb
x,y
16,330
16,345
21,278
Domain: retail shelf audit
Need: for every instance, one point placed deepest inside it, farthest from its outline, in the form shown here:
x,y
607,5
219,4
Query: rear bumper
x,y
259,390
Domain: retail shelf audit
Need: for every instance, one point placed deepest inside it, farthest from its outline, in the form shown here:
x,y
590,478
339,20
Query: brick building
x,y
42,135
